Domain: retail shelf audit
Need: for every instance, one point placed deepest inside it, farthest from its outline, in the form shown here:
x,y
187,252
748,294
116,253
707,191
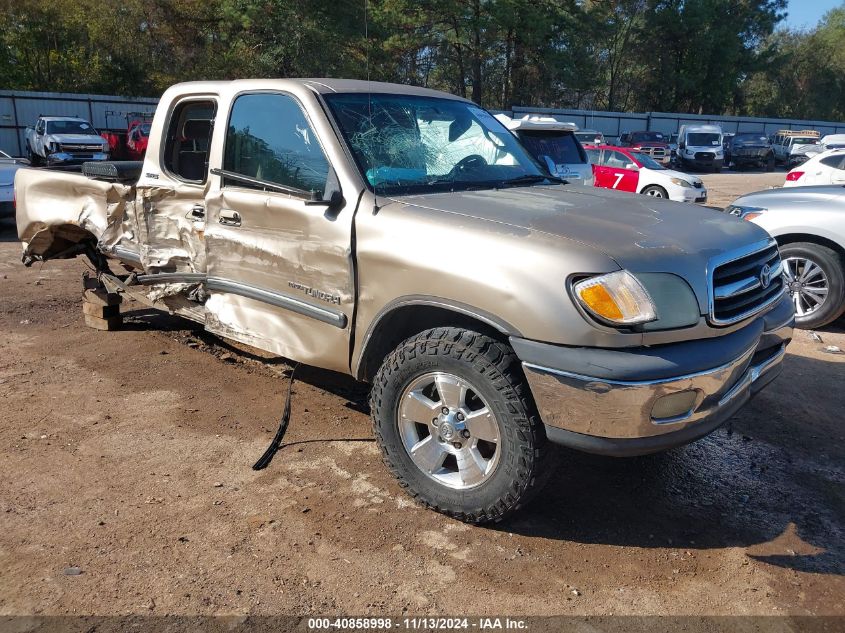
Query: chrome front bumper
x,y
631,417
58,158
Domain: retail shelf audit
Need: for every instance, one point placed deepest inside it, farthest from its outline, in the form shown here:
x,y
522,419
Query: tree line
x,y
699,56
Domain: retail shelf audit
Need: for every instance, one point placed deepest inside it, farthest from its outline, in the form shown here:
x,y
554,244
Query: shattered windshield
x,y
412,144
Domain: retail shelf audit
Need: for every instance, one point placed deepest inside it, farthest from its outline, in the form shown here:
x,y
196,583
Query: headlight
x,y
680,182
618,298
744,213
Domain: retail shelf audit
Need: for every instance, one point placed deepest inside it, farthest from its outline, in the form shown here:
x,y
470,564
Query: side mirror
x,y
631,166
334,201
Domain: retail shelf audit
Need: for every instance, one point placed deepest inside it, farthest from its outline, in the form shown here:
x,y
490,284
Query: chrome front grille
x,y
745,284
80,148
654,152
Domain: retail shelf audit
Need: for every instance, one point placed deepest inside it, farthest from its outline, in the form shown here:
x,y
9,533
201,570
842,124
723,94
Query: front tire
x,y
770,163
34,159
457,427
655,191
814,276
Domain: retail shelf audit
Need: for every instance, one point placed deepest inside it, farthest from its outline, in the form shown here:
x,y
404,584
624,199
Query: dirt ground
x,y
127,455
724,188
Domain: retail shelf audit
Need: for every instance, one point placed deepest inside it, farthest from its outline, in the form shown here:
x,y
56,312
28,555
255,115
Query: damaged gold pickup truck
x,y
405,237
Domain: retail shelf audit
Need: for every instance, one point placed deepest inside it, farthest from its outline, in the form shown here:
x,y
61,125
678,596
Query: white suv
x,y
553,144
827,168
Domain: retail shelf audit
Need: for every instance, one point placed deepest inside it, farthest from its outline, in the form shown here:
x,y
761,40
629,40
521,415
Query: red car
x,y
133,144
626,170
137,138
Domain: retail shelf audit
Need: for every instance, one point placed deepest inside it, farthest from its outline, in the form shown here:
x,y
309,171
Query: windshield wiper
x,y
532,178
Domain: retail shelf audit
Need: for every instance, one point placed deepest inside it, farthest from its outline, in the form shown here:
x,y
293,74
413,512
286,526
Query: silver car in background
x,y
809,226
8,167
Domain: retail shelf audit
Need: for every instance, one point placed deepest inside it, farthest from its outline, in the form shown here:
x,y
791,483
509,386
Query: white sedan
x,y
827,168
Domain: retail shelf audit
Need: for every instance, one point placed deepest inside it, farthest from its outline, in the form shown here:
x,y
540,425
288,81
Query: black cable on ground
x,y
271,451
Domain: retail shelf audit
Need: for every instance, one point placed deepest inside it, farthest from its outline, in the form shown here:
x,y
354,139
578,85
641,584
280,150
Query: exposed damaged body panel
x,y
58,211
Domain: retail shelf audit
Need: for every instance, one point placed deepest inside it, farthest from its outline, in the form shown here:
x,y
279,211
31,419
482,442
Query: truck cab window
x,y
270,139
189,140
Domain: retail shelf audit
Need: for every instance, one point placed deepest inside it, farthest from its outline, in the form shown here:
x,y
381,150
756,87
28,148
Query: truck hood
x,y
87,139
803,149
640,233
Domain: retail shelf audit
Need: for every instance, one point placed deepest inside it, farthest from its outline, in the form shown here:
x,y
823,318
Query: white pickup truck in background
x,y
793,147
64,140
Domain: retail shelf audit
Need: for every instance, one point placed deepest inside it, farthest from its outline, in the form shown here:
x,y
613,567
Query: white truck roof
x,y
62,118
703,127
535,122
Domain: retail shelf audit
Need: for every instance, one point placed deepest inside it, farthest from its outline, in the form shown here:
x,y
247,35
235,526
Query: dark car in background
x,y
749,149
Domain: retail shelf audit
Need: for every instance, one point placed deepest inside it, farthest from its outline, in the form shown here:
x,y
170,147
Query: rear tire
x,y
821,299
655,191
443,376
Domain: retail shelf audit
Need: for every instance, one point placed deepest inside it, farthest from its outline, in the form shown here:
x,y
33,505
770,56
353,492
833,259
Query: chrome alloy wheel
x,y
448,430
655,193
807,283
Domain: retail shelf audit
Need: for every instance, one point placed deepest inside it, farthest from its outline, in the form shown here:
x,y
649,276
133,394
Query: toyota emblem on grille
x,y
765,276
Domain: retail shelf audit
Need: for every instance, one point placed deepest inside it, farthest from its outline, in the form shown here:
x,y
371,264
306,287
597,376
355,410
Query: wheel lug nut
x,y
460,416
457,444
465,434
435,421
445,410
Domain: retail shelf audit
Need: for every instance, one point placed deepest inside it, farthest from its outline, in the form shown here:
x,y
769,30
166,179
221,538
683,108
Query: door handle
x,y
230,218
197,212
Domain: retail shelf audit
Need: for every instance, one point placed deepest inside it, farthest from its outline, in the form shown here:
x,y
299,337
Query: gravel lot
x,y
127,455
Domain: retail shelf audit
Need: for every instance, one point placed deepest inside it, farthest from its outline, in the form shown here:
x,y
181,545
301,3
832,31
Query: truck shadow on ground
x,y
8,229
771,481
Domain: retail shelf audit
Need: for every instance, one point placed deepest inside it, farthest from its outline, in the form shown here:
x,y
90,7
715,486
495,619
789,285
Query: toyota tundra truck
x,y
405,237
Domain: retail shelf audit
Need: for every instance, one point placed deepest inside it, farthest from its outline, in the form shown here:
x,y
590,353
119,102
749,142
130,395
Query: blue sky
x,y
807,13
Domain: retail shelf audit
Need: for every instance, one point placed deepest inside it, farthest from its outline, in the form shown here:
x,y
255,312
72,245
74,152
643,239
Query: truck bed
x,y
62,212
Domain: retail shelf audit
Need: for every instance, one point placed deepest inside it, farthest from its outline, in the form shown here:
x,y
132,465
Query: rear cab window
x,y
188,140
560,146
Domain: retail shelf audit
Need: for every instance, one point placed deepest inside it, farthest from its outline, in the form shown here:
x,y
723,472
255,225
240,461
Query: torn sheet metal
x,y
172,235
56,210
